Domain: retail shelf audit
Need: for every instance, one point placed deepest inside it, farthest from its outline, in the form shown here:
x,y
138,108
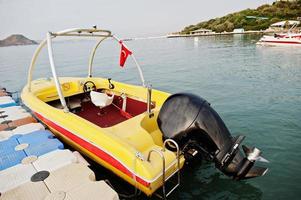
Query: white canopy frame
x,y
93,32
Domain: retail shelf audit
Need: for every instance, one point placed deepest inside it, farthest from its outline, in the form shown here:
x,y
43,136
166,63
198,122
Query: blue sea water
x,y
256,91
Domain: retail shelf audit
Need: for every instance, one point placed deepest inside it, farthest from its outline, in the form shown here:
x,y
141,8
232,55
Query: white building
x,y
239,30
202,31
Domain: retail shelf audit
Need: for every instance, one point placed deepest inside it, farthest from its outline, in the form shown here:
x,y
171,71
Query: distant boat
x,y
281,39
284,39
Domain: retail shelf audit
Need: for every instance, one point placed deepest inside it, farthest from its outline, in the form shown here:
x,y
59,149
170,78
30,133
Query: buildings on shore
x,y
278,27
204,31
201,31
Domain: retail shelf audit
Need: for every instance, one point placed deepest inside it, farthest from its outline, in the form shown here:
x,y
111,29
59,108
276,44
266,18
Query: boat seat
x,y
74,103
101,99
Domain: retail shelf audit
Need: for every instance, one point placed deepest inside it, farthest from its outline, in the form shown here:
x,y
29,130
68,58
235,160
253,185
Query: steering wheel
x,y
89,86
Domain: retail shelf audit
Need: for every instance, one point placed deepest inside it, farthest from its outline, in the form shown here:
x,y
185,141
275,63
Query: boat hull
x,y
116,147
279,41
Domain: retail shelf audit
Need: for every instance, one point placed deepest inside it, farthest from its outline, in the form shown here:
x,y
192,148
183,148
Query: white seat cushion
x,y
101,99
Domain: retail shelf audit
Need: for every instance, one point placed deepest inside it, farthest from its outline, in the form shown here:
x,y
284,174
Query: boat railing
x,y
289,32
168,141
160,153
149,101
164,178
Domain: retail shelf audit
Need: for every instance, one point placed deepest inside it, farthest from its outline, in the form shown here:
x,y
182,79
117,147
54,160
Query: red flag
x,y
124,53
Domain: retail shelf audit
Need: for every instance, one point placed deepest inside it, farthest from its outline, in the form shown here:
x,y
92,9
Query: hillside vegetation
x,y
276,12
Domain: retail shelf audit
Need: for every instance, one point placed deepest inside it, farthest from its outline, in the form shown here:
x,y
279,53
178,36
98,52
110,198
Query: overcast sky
x,y
128,18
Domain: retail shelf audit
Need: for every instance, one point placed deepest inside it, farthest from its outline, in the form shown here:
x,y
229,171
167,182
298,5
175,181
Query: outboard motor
x,y
199,130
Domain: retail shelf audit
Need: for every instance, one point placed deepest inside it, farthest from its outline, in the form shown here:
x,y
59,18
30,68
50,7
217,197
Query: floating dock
x,y
34,164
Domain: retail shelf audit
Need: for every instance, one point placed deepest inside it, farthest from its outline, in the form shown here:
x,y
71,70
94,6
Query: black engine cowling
x,y
194,125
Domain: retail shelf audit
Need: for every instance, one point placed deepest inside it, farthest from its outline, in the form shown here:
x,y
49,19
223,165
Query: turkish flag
x,y
124,53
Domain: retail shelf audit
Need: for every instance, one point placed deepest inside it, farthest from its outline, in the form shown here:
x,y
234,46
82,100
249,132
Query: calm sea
x,y
256,90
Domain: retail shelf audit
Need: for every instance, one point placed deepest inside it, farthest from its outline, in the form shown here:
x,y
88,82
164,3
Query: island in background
x,y
16,39
247,21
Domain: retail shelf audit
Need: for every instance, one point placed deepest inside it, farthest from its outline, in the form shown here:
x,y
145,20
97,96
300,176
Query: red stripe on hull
x,y
93,149
282,42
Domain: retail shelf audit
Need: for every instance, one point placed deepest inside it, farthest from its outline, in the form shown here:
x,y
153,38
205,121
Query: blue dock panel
x,y
40,142
8,104
8,155
8,145
35,137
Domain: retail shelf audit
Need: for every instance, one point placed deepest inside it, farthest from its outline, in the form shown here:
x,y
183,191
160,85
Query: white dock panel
x,y
12,110
6,99
69,177
93,190
28,128
21,130
15,176
27,191
4,135
55,160
16,116
80,158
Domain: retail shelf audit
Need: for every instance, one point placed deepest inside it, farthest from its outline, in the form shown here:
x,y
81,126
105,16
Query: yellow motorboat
x,y
142,135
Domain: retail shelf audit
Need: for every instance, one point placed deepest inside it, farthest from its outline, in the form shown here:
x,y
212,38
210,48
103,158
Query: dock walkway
x,y
34,164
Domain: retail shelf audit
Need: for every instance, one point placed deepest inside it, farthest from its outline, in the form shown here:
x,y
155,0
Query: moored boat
x,y
141,134
282,39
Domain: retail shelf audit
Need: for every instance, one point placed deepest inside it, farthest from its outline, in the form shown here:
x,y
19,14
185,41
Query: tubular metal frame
x,y
178,163
163,167
293,26
94,32
54,74
164,178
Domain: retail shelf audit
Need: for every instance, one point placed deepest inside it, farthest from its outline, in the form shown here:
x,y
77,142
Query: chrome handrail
x,y
54,74
93,54
163,167
33,62
149,101
164,179
178,162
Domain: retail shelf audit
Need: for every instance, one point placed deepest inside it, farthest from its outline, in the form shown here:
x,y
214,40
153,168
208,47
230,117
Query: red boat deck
x,y
104,117
107,116
112,114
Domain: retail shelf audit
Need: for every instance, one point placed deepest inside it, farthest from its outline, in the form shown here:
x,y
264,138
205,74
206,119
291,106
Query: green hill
x,y
251,19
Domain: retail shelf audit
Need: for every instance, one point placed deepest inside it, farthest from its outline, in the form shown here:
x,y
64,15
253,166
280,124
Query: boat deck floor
x,y
105,117
112,114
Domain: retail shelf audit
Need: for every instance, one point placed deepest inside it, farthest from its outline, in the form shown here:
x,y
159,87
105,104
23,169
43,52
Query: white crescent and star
x,y
123,53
